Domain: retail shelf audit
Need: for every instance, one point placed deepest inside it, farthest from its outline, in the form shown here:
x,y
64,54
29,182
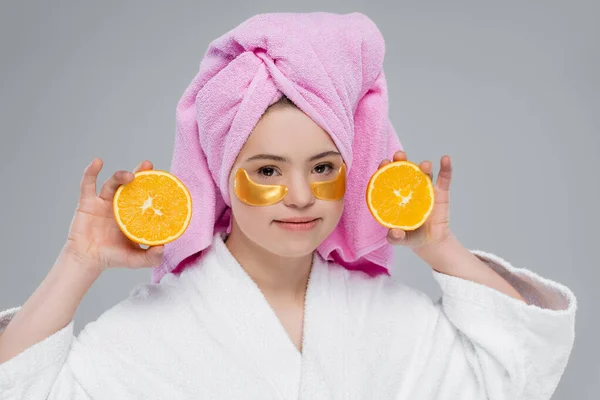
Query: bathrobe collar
x,y
245,324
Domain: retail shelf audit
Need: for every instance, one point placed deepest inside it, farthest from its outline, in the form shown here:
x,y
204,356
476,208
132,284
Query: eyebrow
x,y
273,157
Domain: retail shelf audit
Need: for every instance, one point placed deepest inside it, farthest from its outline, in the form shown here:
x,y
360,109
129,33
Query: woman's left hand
x,y
436,229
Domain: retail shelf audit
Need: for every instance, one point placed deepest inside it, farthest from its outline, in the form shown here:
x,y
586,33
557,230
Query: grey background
x,y
509,89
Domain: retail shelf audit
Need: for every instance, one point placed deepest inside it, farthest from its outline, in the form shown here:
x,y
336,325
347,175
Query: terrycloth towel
x,y
331,67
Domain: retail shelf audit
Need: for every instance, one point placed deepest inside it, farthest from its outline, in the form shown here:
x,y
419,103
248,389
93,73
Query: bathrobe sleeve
x,y
483,344
39,372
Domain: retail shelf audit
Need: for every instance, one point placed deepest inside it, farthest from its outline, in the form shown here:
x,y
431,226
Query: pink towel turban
x,y
331,67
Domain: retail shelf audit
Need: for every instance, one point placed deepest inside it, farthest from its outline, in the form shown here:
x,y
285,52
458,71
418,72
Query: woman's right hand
x,y
94,236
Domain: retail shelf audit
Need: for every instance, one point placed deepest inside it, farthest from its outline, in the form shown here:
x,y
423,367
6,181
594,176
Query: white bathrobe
x,y
210,334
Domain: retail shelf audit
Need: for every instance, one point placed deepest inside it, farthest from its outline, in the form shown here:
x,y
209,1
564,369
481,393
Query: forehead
x,y
287,131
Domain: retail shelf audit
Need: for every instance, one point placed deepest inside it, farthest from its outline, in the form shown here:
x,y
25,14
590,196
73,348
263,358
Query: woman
x,y
250,303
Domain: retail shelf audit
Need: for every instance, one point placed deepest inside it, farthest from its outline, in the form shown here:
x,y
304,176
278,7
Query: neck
x,y
283,278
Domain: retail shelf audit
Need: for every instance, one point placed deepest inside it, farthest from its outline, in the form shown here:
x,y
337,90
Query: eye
x,y
266,172
324,168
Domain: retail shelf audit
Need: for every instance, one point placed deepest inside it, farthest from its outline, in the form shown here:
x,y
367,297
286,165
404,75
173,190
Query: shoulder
x,y
385,316
152,327
382,292
145,315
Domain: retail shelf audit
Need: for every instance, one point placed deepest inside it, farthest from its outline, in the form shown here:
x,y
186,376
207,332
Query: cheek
x,y
256,215
333,210
251,218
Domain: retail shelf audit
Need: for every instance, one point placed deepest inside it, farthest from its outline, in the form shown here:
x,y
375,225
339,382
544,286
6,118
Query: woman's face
x,y
281,151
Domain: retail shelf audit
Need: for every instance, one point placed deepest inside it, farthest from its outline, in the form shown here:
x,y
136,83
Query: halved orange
x,y
153,209
400,195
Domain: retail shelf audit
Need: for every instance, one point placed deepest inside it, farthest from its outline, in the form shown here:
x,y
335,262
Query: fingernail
x,y
396,233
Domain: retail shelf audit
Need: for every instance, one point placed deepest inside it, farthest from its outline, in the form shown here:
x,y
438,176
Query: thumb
x,y
151,257
397,237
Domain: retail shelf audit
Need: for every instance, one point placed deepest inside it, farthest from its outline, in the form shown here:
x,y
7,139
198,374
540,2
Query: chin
x,y
295,247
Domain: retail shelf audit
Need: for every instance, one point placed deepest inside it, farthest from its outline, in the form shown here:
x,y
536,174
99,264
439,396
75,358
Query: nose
x,y
299,194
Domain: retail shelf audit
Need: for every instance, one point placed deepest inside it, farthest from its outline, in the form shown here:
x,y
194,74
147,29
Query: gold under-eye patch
x,y
331,190
256,194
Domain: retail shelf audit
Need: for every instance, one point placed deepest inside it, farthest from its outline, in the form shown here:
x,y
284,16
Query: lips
x,y
298,224
296,220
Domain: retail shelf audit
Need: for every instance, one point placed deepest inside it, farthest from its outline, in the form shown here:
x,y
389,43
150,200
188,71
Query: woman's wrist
x,y
78,261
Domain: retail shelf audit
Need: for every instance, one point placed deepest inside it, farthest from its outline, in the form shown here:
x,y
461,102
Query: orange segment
x,y
400,195
153,209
